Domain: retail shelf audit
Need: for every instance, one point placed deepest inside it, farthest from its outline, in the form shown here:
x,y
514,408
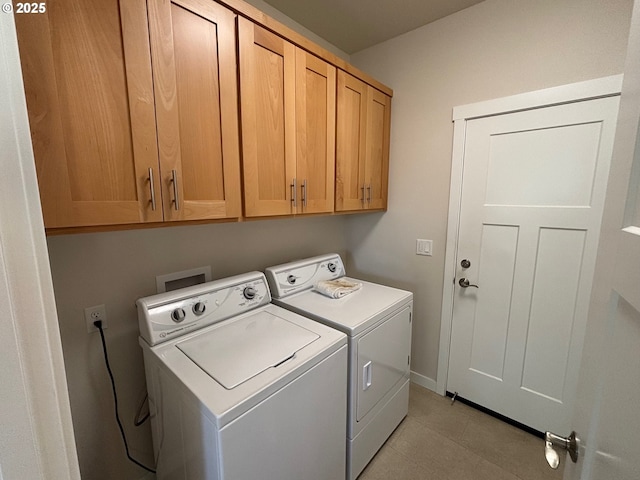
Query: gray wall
x,y
493,49
115,269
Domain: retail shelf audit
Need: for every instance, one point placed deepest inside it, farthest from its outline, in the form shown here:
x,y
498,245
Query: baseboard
x,y
423,381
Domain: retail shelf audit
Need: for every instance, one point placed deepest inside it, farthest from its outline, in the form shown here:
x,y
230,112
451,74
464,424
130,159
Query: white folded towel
x,y
337,288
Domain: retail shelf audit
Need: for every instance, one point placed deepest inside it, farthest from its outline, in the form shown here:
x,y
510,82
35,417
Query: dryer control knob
x,y
178,315
199,308
332,267
249,293
291,279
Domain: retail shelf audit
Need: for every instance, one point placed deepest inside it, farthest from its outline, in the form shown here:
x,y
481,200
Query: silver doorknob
x,y
464,283
569,444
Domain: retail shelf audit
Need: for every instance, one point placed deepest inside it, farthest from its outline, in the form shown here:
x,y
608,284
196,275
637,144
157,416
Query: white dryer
x,y
377,320
240,388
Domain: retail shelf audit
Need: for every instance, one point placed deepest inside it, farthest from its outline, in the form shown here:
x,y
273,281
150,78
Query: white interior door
x,y
607,418
533,191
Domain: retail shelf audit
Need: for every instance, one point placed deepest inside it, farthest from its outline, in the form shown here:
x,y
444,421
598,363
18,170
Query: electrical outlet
x,y
91,314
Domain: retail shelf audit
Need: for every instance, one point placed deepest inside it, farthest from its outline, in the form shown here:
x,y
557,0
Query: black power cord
x,y
98,324
139,421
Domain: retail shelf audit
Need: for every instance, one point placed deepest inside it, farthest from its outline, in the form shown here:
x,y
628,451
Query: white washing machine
x,y
377,320
240,388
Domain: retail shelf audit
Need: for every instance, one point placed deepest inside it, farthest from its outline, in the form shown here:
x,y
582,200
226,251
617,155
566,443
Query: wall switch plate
x,y
91,314
424,247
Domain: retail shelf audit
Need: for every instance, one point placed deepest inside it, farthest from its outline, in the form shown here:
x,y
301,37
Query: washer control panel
x,y
293,277
172,314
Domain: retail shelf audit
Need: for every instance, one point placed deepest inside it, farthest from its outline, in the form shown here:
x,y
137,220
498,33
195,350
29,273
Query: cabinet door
x,y
376,170
350,143
362,137
194,67
87,76
315,133
267,93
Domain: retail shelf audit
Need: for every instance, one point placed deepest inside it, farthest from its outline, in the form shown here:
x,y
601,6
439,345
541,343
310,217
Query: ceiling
x,y
353,25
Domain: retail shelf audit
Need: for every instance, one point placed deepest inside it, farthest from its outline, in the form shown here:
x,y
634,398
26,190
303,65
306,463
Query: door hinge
x,y
408,359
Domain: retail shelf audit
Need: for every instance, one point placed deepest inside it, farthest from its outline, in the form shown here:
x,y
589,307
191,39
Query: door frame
x,y
575,92
35,392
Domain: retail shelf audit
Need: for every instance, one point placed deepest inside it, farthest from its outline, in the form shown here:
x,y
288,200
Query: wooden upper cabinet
x,y
134,114
89,91
193,49
288,126
362,145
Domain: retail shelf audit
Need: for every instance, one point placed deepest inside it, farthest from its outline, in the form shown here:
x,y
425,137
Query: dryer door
x,y
383,360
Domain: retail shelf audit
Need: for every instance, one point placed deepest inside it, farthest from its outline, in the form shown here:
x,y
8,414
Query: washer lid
x,y
234,353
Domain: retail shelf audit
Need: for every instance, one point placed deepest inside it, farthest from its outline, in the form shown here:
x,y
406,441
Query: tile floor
x,y
441,441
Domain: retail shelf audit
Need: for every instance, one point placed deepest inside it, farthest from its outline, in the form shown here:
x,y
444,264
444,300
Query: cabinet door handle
x,y
294,193
153,190
364,200
174,180
369,194
304,193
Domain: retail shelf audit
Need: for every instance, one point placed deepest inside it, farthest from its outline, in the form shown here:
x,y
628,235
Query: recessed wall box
x,y
185,278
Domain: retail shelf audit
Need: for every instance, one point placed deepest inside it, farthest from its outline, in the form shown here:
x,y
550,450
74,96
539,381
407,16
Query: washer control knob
x,y
199,308
249,293
291,279
332,267
178,315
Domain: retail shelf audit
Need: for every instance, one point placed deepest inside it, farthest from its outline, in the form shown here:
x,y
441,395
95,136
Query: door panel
x,y
267,91
491,317
544,173
315,133
553,309
351,148
377,160
616,454
272,173
198,92
382,360
88,84
532,199
193,48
